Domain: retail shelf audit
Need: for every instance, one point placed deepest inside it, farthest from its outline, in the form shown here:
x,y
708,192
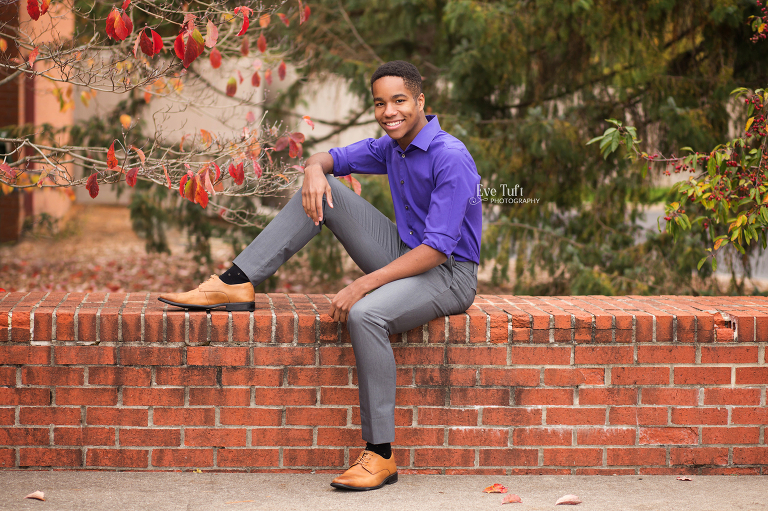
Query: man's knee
x,y
363,315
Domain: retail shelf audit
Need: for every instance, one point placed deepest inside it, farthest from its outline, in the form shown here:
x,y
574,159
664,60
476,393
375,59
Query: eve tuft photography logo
x,y
507,194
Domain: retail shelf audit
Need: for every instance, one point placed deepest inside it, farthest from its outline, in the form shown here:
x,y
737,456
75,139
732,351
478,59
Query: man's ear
x,y
420,102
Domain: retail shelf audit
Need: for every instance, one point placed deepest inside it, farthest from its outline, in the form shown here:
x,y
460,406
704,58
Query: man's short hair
x,y
405,70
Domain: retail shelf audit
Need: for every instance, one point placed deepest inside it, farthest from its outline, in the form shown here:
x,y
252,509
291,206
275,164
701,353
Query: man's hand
x,y
312,191
344,300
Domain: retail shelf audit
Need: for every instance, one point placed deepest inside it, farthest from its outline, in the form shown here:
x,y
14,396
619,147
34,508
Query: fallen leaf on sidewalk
x,y
38,495
496,488
571,500
238,501
511,499
684,478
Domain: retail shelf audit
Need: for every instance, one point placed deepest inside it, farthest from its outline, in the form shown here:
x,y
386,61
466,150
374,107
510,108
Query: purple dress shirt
x,y
432,182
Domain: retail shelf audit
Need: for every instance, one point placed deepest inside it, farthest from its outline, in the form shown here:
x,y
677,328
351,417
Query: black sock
x,y
233,276
383,450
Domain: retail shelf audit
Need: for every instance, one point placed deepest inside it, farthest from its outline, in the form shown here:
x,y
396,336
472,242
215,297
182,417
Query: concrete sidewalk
x,y
91,491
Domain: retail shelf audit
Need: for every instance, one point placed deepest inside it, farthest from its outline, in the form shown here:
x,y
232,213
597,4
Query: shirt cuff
x,y
340,163
440,242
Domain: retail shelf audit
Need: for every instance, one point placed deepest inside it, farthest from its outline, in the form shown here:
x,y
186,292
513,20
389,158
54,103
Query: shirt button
x,y
410,232
401,181
406,207
402,155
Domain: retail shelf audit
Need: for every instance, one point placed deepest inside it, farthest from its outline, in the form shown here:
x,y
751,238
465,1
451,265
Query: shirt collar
x,y
426,135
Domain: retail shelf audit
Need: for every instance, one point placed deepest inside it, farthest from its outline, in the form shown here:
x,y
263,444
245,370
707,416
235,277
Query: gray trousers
x,y
372,241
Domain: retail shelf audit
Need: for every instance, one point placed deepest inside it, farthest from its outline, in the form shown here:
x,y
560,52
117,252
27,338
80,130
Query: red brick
x,y
247,458
729,355
445,376
187,376
540,355
214,437
702,375
698,456
698,415
574,377
339,395
133,376
582,457
444,458
608,396
20,324
669,396
216,356
149,356
337,356
511,416
750,455
8,376
730,435
313,457
447,416
52,376
315,376
44,416
221,397
737,397
247,376
675,436
457,328
575,416
476,355
757,415
182,457
605,436
631,456
637,415
84,355
116,416
510,377
315,416
284,355
603,355
339,437
724,334
752,376
24,396
250,416
25,355
283,327
86,396
124,458
23,436
184,416
640,375
131,330
150,437
488,437
462,396
153,326
7,457
542,436
50,458
174,326
537,397
285,397
198,327
43,324
84,436
666,354
509,457
153,397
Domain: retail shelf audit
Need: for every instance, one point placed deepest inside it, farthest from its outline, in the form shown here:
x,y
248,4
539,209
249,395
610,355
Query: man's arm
x,y
420,259
316,185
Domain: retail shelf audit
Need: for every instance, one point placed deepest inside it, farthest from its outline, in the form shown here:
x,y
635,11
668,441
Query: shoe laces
x,y
207,281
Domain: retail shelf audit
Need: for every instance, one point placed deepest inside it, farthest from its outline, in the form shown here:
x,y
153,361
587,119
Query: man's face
x,y
397,112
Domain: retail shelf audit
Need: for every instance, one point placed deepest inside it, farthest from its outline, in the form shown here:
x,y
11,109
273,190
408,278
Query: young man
x,y
421,268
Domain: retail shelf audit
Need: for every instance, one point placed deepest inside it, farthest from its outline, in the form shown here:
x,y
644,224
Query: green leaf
x,y
714,264
595,140
701,262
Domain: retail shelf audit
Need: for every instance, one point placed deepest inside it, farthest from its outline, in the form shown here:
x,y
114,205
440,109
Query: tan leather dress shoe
x,y
369,472
214,294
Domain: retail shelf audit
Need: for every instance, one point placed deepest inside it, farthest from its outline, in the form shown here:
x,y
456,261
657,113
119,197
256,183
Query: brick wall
x,y
517,385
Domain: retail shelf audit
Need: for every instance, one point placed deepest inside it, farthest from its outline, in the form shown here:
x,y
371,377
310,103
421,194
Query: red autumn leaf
x,y
257,169
37,495
126,3
118,25
255,79
237,173
157,42
355,185
206,136
281,143
130,176
8,171
218,170
295,150
207,182
188,46
136,43
92,185
167,177
44,6
250,118
111,159
140,153
297,137
33,56
211,34
231,86
264,20
268,76
511,498
201,196
262,43
33,8
215,58
245,47
150,44
304,13
2,290
570,500
246,11
239,76
308,120
178,45
182,184
3,44
496,488
113,14
284,19
281,70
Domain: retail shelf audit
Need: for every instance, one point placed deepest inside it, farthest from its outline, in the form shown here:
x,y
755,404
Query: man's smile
x,y
393,124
